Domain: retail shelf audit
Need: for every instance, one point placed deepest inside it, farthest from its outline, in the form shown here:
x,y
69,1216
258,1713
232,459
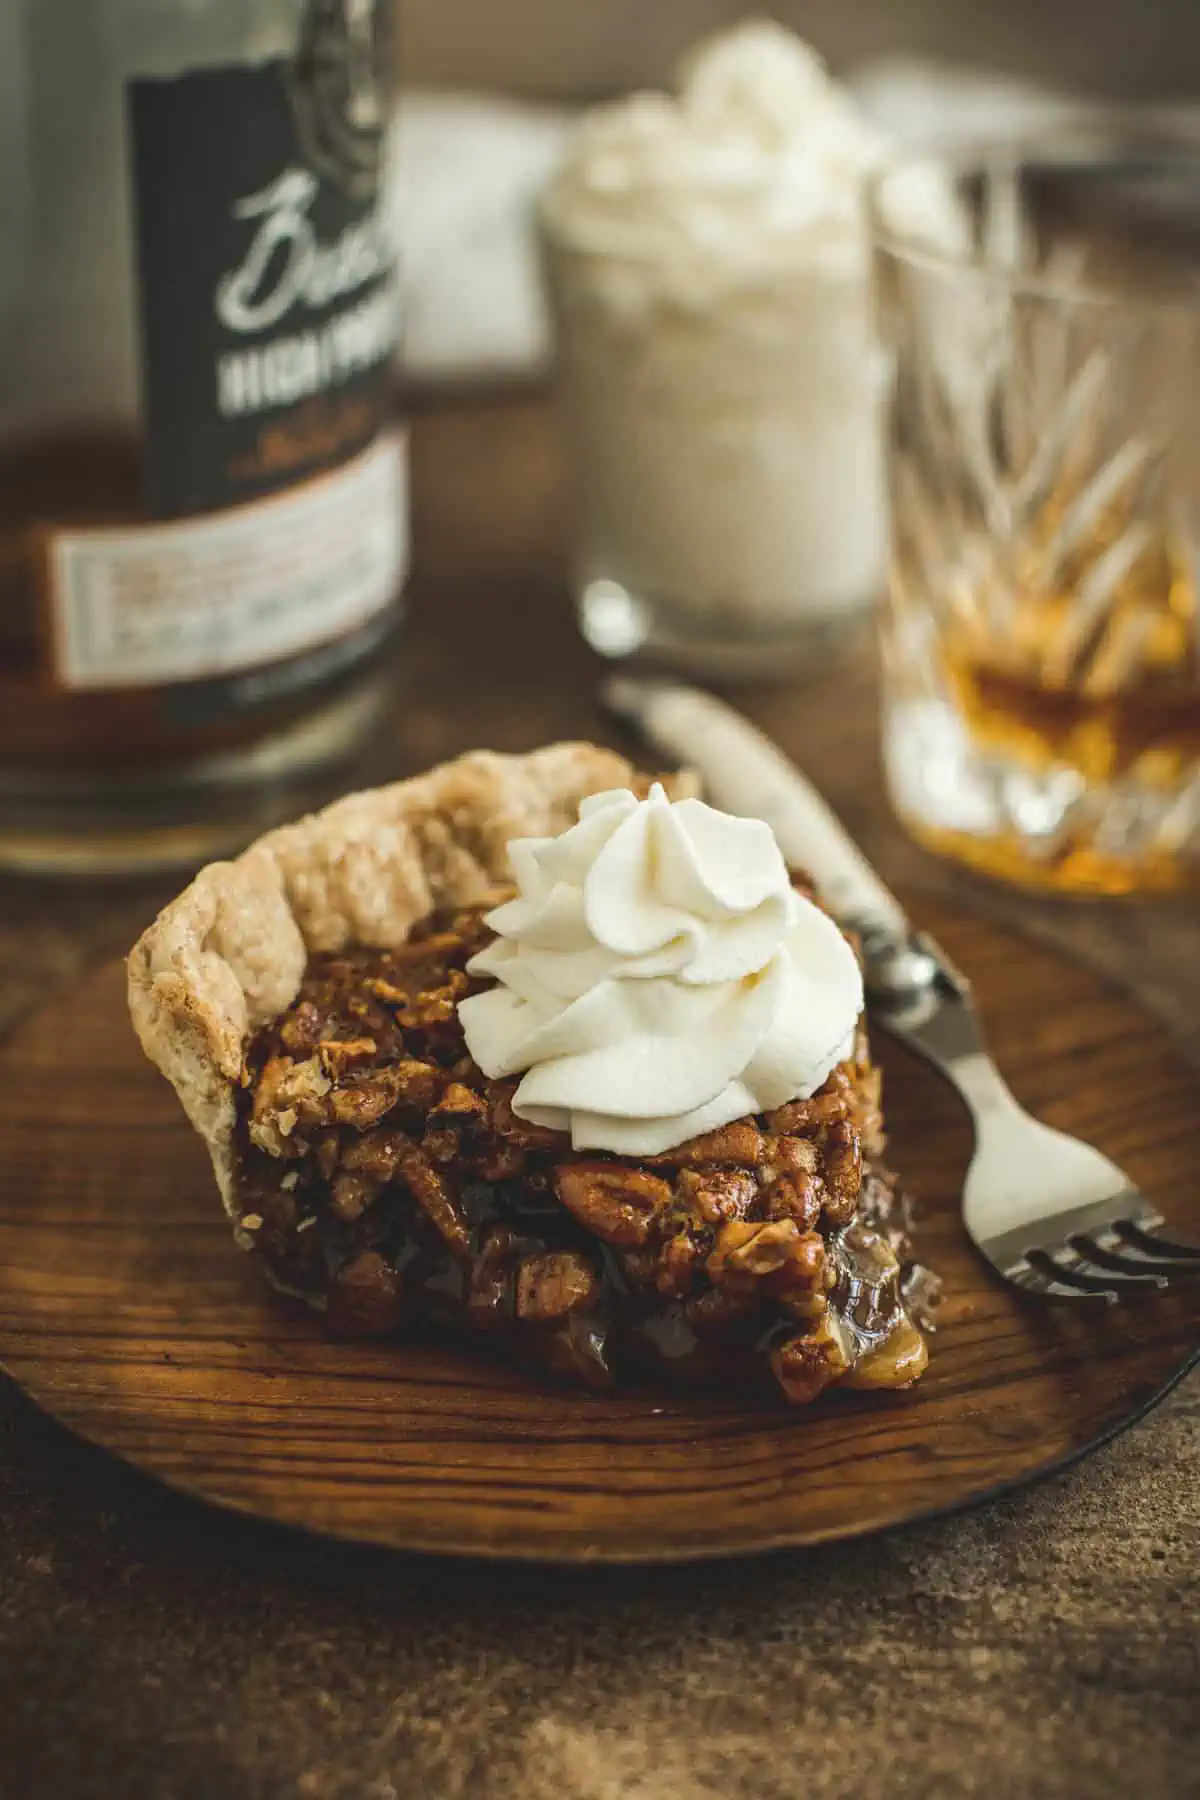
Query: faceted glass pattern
x,y
1041,647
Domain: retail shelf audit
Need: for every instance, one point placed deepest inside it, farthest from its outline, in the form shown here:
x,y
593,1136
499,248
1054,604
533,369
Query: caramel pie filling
x,y
385,1180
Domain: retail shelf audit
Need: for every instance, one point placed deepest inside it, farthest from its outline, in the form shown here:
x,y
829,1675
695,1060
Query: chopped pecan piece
x,y
554,1284
365,1298
340,1055
435,947
454,1123
752,1248
387,991
841,1168
433,1017
774,1253
301,1031
417,1084
384,1156
617,1202
458,1106
365,1099
715,1195
806,1364
433,1194
805,1270
677,1265
376,1153
805,1116
794,1155
795,1197
289,1094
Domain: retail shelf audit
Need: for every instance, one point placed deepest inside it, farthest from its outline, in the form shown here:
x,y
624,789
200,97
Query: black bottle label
x,y
266,263
268,311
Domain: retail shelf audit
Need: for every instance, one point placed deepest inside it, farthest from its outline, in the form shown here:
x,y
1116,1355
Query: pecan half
x,y
740,1145
617,1203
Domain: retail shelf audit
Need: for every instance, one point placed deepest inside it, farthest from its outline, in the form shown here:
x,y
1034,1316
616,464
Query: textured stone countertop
x,y
1044,1645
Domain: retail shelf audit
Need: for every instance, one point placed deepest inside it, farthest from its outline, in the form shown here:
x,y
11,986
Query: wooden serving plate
x,y
128,1314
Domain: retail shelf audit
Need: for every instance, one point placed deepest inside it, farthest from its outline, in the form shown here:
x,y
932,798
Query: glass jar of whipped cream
x,y
709,269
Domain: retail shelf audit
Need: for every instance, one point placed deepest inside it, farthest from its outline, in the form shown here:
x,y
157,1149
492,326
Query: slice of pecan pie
x,y
305,1003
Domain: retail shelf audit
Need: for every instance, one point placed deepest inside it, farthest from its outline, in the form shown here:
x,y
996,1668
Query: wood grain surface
x,y
128,1314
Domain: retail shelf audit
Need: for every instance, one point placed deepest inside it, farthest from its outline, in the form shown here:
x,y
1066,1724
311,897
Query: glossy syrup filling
x,y
387,1181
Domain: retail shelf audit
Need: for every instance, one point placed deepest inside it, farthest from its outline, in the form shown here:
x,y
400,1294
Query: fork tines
x,y
1101,1263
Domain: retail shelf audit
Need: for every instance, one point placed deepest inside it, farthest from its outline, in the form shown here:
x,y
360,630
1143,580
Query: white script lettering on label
x,y
286,265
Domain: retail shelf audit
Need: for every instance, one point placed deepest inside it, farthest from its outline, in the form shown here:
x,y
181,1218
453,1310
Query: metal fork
x,y
1050,1213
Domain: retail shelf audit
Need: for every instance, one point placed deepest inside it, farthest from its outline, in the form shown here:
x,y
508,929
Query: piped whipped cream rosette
x,y
657,976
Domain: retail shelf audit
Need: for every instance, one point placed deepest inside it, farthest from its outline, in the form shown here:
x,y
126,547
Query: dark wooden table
x,y
1047,1645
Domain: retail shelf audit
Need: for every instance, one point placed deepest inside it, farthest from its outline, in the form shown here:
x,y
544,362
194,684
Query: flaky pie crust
x,y
228,956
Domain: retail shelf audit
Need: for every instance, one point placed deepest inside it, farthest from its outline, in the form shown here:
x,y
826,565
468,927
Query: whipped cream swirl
x,y
761,155
657,976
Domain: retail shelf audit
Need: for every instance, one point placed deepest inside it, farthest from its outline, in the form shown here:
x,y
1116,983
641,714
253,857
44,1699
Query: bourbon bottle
x,y
203,506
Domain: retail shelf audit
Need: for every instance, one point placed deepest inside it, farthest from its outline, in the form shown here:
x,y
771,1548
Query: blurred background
x,y
1121,48
490,93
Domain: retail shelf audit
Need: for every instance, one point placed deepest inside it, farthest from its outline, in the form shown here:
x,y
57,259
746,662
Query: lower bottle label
x,y
151,605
